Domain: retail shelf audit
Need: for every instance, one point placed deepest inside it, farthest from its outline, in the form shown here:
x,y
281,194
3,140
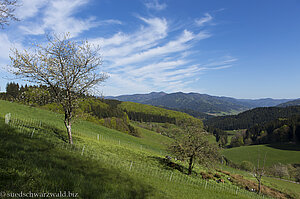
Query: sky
x,y
236,48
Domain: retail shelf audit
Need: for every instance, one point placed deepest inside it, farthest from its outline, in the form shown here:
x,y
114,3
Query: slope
x,y
198,104
290,103
252,117
103,163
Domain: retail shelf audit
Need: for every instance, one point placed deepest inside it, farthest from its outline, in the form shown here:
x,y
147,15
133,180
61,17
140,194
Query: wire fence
x,y
34,129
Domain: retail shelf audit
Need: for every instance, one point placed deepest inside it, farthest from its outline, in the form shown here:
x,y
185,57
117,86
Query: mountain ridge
x,y
199,103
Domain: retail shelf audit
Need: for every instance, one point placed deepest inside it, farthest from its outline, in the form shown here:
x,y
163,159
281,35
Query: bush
x,y
247,166
217,175
207,176
280,170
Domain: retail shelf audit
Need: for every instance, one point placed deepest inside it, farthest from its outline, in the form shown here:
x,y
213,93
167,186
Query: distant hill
x,y
290,103
265,102
199,105
250,118
138,98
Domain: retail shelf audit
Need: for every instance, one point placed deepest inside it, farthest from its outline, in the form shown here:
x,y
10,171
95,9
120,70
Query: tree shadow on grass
x,y
285,146
169,165
36,165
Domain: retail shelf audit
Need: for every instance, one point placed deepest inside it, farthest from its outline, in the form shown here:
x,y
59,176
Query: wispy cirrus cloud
x,y
154,57
202,21
154,4
57,16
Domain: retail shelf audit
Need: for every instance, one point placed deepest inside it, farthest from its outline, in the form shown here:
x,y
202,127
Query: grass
x,y
36,158
284,186
283,153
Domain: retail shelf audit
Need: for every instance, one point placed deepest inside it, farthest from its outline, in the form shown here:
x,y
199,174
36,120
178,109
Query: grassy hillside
x,y
179,117
283,153
103,163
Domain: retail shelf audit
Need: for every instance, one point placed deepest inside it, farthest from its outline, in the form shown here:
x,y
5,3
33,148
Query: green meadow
x,y
283,153
103,163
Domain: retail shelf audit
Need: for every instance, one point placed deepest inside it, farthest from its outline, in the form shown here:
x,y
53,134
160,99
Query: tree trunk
x,y
190,165
259,185
68,126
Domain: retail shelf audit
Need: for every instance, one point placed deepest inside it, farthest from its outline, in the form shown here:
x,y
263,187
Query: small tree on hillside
x,y
7,8
259,171
193,146
280,170
68,67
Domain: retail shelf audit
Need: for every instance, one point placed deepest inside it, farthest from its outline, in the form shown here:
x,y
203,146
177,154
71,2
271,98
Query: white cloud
x,y
154,58
155,5
29,8
6,45
122,45
207,18
57,16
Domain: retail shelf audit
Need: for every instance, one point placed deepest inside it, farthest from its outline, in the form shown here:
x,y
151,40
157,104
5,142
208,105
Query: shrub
x,y
280,170
207,176
247,166
217,175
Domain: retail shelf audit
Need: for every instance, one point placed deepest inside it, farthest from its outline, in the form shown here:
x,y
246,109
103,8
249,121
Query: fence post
x,y
82,150
119,142
97,136
171,176
130,166
32,133
7,118
205,184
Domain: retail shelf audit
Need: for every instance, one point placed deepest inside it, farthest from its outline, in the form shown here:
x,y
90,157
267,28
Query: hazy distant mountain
x,y
197,104
138,98
290,103
266,102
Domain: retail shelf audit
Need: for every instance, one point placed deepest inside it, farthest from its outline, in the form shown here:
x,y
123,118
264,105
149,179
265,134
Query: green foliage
x,y
194,147
12,90
35,97
54,107
280,170
237,141
247,166
252,117
147,113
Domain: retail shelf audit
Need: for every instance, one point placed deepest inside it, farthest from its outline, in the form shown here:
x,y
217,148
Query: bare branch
x,y
7,8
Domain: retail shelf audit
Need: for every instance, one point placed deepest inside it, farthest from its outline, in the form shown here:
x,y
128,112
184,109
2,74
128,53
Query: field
x,y
103,163
283,153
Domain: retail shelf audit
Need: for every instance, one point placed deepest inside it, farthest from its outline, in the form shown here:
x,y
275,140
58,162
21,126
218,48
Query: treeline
x,y
277,131
97,110
280,130
146,117
250,118
221,135
107,112
147,113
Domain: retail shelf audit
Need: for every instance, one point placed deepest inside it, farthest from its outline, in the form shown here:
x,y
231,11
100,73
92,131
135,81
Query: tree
x,y
259,171
12,90
7,8
237,140
194,147
280,170
68,67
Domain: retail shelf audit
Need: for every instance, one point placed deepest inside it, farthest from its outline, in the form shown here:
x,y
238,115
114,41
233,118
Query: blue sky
x,y
236,48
